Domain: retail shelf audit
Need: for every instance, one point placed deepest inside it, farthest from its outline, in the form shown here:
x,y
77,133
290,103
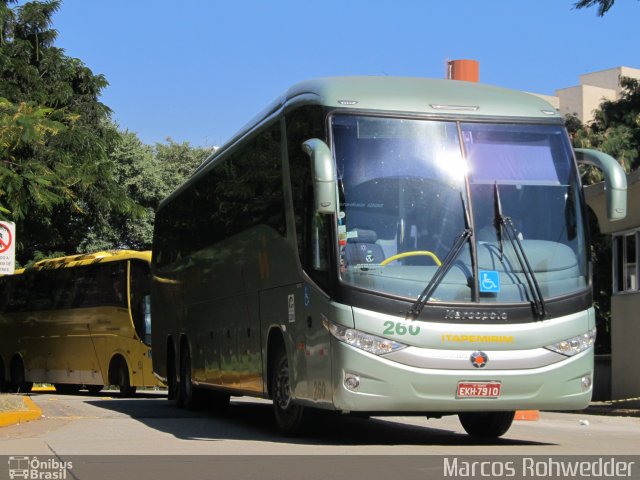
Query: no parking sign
x,y
7,248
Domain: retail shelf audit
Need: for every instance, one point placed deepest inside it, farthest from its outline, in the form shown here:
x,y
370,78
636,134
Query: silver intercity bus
x,y
383,246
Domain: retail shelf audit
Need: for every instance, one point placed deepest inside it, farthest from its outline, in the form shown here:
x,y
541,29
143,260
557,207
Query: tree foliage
x,y
147,174
615,130
603,5
56,176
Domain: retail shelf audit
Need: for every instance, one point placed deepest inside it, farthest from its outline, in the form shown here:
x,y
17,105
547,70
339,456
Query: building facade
x,y
594,87
625,300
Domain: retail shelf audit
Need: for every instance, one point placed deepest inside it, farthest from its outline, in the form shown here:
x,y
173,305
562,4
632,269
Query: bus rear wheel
x,y
172,379
287,414
69,388
18,377
486,424
191,396
4,385
94,389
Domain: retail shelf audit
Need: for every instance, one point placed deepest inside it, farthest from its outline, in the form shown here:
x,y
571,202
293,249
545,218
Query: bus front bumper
x,y
387,386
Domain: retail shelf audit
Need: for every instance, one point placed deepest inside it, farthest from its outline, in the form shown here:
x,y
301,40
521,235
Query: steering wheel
x,y
413,253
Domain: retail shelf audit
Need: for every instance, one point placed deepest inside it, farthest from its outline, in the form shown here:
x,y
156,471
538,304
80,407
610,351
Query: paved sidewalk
x,y
30,412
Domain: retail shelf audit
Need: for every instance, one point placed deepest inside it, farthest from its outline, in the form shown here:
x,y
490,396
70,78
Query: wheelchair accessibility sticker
x,y
489,281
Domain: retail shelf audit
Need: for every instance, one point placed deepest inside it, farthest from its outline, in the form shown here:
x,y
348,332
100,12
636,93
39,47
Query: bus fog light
x,y
586,382
351,381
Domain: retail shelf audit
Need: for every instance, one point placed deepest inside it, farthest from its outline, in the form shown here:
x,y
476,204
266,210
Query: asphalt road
x,y
151,425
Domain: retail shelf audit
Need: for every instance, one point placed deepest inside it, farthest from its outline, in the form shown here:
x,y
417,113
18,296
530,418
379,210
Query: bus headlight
x,y
363,341
574,345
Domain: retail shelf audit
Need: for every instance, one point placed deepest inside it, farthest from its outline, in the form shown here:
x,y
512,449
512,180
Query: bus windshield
x,y
410,187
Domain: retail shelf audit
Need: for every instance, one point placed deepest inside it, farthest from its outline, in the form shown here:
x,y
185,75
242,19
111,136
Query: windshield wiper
x,y
504,224
447,263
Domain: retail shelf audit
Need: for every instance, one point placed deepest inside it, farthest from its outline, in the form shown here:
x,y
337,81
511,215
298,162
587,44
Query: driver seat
x,y
361,248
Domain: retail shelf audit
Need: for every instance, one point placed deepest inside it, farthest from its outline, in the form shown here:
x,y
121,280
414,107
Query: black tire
x,y
67,388
191,397
18,378
288,415
94,389
486,424
172,382
126,389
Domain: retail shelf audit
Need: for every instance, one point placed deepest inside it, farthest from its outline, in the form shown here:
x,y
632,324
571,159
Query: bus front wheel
x,y
287,414
119,375
486,424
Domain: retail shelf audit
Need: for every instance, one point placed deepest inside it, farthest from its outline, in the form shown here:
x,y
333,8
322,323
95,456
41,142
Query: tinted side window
x,y
248,187
88,286
243,190
98,285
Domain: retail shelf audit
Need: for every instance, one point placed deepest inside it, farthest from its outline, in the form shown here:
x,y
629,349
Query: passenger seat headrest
x,y
363,236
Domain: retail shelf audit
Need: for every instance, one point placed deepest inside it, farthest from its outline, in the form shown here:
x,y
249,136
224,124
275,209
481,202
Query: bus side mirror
x,y
324,176
615,180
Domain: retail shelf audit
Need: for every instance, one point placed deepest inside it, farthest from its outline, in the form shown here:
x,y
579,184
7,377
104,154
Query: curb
x,y
43,389
32,412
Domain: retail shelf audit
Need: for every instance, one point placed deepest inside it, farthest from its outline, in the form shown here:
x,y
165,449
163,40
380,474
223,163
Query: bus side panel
x,y
240,359
207,337
30,346
107,327
317,344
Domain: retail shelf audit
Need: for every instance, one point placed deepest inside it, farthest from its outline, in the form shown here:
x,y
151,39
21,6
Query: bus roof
x,y
405,95
89,259
422,96
419,96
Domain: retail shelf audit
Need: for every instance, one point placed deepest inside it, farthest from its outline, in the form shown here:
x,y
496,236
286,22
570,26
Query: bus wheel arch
x,y
18,378
120,375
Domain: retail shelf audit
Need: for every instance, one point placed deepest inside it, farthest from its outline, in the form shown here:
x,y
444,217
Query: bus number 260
x,y
399,328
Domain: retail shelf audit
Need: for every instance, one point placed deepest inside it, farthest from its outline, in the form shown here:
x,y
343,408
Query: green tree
x,y
147,174
58,179
178,161
615,130
26,129
603,5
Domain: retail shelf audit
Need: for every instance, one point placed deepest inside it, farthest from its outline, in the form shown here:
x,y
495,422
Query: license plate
x,y
478,390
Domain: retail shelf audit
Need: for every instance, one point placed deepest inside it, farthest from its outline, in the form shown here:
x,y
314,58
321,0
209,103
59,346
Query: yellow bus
x,y
78,321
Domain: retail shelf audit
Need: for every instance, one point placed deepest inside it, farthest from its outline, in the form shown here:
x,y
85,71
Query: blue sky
x,y
198,70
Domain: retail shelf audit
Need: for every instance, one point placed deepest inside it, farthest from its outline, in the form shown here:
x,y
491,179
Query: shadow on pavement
x,y
253,421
